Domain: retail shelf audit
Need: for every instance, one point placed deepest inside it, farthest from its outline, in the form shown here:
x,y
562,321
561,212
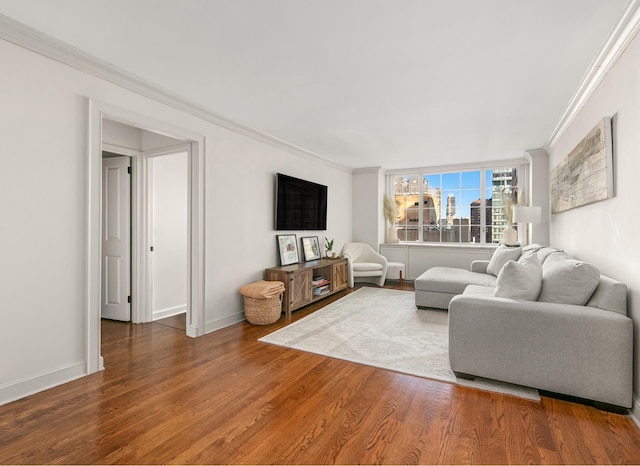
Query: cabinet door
x,y
340,278
300,289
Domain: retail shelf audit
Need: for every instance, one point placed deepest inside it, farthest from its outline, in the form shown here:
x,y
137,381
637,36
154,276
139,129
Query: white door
x,y
116,238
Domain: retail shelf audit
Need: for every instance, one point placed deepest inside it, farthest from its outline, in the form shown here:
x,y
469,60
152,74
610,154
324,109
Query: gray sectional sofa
x,y
544,320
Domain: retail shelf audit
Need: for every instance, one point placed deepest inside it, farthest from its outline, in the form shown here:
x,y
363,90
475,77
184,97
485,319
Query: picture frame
x,y
311,248
288,249
585,175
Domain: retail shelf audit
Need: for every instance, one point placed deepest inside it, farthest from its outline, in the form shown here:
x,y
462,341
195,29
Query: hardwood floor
x,y
227,398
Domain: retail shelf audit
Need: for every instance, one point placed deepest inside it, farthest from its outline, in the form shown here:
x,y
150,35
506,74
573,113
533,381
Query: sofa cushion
x,y
501,256
451,280
520,280
567,281
366,266
544,252
532,248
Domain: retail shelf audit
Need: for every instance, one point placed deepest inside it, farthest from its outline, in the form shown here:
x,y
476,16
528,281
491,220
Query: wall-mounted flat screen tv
x,y
300,204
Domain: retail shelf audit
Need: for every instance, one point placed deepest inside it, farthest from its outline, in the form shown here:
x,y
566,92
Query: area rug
x,y
383,328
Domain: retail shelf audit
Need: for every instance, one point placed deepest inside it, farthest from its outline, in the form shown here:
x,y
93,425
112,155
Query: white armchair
x,y
365,262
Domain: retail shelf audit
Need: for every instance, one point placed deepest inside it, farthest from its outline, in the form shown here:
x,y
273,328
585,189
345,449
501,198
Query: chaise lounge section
x,y
436,287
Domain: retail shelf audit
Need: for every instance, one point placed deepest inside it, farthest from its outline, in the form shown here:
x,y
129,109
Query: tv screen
x,y
300,204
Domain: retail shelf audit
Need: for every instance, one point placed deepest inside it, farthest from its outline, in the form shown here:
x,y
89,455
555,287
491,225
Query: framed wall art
x,y
311,248
586,174
288,248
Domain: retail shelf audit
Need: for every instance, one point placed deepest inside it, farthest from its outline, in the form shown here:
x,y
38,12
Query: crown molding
x,y
29,38
613,47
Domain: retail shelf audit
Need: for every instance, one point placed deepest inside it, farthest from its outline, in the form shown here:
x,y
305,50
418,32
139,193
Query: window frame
x,y
521,165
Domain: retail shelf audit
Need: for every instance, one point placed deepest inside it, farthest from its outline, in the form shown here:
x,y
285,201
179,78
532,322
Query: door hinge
x,y
129,170
151,249
129,299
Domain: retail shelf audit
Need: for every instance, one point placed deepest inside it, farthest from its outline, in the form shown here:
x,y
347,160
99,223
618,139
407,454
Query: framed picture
x,y
311,248
288,247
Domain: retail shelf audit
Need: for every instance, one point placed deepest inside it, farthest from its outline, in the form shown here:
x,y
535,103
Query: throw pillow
x,y
520,280
568,281
501,256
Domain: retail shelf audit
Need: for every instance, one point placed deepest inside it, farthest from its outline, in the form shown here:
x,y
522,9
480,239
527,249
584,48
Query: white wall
x,y
368,218
169,198
538,194
122,135
43,200
606,233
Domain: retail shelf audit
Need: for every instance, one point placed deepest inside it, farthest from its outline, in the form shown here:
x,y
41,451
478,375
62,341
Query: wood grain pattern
x,y
226,398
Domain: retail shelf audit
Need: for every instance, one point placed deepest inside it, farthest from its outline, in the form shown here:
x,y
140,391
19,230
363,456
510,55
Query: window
x,y
455,207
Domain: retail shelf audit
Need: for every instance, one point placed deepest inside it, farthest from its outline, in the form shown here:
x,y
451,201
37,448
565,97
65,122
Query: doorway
x,y
159,209
99,113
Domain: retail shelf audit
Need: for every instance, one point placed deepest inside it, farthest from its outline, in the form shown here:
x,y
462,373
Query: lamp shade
x,y
523,214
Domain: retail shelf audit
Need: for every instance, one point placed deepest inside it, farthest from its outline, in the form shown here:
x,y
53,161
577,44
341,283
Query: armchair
x,y
364,262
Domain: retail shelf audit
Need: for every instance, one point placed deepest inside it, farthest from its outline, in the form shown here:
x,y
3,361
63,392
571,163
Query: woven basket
x,y
262,311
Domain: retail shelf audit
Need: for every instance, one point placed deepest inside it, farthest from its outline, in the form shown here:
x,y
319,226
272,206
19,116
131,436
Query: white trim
x,y
614,46
32,39
24,387
196,269
170,311
94,238
139,246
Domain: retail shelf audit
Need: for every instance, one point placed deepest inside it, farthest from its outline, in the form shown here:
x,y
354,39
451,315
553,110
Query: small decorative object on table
x,y
328,244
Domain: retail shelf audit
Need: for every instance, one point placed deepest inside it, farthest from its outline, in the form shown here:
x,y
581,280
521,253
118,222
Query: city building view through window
x,y
455,207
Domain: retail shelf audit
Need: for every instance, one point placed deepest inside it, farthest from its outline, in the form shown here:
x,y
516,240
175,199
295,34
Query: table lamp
x,y
527,215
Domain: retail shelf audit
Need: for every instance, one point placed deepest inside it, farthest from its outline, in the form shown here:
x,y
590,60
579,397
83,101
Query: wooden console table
x,y
301,288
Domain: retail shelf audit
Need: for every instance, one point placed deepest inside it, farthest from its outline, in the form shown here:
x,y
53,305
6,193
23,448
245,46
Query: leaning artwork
x,y
586,174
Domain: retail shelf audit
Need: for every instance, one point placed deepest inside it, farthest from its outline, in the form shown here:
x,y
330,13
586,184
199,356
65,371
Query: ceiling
x,y
391,83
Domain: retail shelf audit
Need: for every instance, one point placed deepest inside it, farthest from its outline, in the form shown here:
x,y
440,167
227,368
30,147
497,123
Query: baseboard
x,y
635,410
214,325
22,388
169,311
